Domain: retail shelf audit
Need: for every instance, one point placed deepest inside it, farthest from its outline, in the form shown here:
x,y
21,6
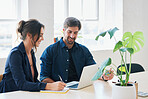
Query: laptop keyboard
x,y
73,86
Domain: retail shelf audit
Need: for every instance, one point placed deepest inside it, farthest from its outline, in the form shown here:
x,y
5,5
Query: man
x,y
66,58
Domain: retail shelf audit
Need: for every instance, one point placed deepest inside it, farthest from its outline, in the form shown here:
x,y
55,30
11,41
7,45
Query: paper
x,y
64,91
142,94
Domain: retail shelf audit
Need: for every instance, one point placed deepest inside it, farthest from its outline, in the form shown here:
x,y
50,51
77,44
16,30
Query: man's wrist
x,y
104,79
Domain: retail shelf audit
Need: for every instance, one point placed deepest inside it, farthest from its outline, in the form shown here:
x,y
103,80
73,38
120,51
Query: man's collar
x,y
62,44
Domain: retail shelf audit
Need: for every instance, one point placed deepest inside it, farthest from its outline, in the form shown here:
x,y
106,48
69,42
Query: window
x,y
11,14
96,16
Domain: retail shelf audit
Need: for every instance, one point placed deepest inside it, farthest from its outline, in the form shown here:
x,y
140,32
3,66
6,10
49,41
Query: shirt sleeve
x,y
18,75
46,63
88,57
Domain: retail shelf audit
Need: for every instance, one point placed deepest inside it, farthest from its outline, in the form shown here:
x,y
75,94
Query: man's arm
x,y
88,57
47,80
46,65
90,60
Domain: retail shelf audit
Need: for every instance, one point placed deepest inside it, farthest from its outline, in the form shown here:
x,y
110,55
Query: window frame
x,y
66,13
19,16
104,21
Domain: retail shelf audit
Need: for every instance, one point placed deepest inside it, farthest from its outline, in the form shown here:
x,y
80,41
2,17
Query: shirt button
x,y
66,69
65,80
67,60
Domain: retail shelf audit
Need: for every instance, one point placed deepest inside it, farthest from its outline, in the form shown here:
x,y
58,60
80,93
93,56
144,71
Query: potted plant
x,y
130,44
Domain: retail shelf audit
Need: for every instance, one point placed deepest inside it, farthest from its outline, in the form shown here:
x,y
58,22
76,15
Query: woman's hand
x,y
57,86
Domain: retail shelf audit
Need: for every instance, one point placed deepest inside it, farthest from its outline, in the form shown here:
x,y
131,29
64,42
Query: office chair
x,y
1,77
134,68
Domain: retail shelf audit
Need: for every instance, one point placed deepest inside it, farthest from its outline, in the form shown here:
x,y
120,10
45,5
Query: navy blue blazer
x,y
18,74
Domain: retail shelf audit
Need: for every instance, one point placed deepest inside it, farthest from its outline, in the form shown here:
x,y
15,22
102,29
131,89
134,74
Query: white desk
x,y
99,90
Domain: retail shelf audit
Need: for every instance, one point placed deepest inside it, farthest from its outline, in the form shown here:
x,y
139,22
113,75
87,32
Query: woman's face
x,y
40,38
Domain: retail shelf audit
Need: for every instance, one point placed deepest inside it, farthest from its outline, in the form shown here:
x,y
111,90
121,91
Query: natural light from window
x,y
11,13
96,16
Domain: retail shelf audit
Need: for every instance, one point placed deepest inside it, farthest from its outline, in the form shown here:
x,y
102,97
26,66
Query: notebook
x,y
85,79
64,91
142,94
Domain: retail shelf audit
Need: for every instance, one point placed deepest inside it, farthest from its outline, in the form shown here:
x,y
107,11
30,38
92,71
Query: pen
x,y
60,78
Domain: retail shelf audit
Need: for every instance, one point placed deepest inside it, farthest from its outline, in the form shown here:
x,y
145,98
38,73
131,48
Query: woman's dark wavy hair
x,y
31,26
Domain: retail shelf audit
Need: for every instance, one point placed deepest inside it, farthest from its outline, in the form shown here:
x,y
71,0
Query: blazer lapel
x,y
34,66
26,64
29,74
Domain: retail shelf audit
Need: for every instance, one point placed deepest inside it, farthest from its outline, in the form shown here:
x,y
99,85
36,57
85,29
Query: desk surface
x,y
99,90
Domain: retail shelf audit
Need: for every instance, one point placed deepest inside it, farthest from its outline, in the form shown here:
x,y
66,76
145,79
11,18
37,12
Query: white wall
x,y
2,65
135,16
136,19
43,11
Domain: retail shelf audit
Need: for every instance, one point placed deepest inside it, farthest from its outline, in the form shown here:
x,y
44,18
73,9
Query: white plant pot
x,y
123,92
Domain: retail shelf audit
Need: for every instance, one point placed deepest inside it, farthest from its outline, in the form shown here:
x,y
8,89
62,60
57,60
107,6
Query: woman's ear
x,y
29,35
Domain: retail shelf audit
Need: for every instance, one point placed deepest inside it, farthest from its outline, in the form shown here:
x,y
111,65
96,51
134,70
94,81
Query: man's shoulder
x,y
50,50
53,46
81,45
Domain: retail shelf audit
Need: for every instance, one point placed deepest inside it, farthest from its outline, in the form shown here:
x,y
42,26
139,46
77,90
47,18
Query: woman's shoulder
x,y
18,50
14,52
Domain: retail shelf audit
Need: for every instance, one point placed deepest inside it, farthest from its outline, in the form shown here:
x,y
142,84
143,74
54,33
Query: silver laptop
x,y
85,79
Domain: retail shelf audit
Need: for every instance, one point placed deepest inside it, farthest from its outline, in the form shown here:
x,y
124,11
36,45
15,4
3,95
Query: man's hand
x,y
108,75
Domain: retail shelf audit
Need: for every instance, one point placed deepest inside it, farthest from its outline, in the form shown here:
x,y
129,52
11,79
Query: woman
x,y
20,69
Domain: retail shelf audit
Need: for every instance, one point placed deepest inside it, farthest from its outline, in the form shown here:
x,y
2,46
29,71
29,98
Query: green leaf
x,y
101,34
118,46
135,41
101,69
126,38
130,50
127,78
112,32
80,36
